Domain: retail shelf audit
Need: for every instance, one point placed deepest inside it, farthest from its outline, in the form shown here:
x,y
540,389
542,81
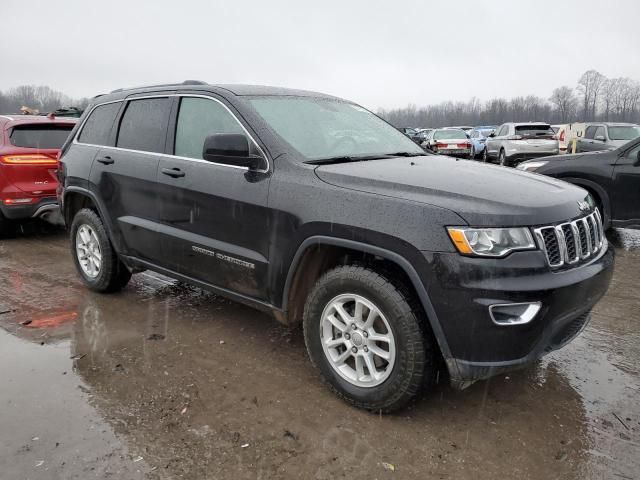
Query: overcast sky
x,y
378,53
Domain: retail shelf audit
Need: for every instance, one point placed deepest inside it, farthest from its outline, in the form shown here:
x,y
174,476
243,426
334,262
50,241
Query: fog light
x,y
514,313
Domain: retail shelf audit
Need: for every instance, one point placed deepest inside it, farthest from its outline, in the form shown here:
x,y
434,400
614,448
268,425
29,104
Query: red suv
x,y
29,147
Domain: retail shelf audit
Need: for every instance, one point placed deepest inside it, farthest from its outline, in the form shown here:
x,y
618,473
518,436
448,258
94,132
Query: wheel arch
x,y
76,198
313,263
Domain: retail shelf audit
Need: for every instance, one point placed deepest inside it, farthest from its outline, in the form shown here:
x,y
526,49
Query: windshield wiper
x,y
344,159
361,158
406,154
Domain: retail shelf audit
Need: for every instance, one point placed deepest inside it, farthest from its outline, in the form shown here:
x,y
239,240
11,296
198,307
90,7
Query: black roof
x,y
234,89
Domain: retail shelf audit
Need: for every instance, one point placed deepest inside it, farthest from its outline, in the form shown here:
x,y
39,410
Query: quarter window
x,y
97,128
599,132
197,119
144,125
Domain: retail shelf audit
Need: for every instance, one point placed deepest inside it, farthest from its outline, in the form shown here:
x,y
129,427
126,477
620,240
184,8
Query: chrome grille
x,y
572,242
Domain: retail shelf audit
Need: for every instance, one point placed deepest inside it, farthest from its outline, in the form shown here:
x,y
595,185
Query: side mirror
x,y
492,134
230,149
600,138
637,159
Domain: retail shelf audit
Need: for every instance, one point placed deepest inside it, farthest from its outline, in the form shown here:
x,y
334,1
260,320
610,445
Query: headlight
x,y
531,166
491,242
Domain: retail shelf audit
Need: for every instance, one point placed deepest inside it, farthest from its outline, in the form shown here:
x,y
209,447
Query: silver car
x,y
513,143
606,136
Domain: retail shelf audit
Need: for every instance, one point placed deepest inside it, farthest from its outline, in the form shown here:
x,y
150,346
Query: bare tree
x,y
41,98
600,98
590,85
565,102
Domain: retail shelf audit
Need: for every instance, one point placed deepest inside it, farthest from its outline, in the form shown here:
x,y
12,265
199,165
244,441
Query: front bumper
x,y
465,288
42,207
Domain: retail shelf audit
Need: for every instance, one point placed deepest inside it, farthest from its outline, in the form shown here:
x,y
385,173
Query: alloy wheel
x,y
357,340
88,251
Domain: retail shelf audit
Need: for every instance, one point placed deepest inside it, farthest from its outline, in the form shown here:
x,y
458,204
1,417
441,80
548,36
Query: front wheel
x,y
502,159
485,155
367,339
95,259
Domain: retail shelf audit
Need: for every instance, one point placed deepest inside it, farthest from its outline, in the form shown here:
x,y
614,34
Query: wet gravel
x,y
164,381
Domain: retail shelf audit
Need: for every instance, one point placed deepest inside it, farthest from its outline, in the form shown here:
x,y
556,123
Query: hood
x,y
482,194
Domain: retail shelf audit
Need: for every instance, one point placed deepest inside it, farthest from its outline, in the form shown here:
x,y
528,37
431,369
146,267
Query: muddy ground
x,y
166,381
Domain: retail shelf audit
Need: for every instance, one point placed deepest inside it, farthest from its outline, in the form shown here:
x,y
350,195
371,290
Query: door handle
x,y
106,160
173,172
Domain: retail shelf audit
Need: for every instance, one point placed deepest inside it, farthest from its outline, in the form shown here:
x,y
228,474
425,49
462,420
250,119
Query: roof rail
x,y
186,82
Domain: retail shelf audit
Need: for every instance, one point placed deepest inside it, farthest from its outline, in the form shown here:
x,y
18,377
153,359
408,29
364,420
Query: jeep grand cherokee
x,y
314,209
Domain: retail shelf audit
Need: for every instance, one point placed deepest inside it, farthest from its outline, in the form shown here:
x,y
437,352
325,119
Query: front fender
x,y
391,256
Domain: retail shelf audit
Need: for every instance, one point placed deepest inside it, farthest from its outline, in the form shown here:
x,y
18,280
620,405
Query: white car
x,y
448,141
566,133
513,143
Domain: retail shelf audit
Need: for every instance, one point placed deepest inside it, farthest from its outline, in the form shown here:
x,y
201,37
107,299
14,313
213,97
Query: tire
x,y
472,153
111,275
502,159
7,227
485,155
412,363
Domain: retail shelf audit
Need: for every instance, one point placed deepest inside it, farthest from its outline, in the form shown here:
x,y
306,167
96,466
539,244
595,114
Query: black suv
x,y
612,177
315,210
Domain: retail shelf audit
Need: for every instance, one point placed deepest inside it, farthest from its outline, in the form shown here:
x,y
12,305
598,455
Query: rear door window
x,y
39,136
144,125
197,119
97,128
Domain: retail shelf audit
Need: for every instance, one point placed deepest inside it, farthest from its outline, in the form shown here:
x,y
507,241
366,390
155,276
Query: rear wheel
x,y
95,259
7,227
367,339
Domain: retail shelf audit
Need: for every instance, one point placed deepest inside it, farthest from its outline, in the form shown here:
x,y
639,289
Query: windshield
x,y
449,134
40,136
486,133
624,133
323,128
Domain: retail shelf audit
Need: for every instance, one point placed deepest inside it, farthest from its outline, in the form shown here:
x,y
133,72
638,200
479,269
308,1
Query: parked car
x,y
567,133
611,176
423,135
478,137
412,133
394,261
29,147
606,136
512,143
448,141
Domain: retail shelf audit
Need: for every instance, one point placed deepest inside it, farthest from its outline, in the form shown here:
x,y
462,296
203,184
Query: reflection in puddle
x,y
48,428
